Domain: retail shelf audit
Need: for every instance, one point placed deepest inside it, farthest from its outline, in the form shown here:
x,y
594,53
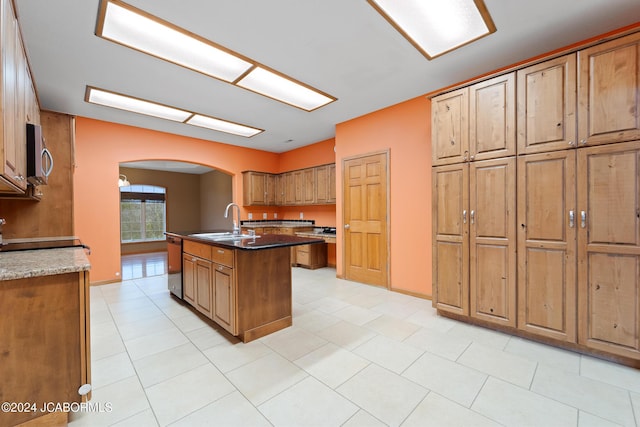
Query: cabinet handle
x,y
571,219
464,216
571,143
220,251
583,219
583,141
473,217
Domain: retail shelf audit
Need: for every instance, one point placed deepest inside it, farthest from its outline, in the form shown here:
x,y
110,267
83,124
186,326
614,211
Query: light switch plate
x,y
301,215
275,214
264,215
250,215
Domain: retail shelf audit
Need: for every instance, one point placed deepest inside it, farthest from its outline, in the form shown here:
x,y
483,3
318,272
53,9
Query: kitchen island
x,y
241,282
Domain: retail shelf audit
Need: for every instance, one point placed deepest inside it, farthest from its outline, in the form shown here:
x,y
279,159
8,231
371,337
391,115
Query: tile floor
x,y
356,356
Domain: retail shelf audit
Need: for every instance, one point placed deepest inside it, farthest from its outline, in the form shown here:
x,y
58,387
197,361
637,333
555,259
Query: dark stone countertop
x,y
265,241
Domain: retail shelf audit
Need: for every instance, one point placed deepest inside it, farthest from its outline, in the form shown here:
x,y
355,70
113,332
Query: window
x,y
142,213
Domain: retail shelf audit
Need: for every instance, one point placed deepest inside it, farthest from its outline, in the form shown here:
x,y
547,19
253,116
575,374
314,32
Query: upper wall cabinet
x,y
450,127
492,118
608,98
475,123
546,95
18,101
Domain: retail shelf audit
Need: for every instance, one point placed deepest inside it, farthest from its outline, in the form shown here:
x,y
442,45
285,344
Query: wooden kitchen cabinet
x,y
325,188
197,276
259,188
608,101
608,224
45,344
451,238
309,186
492,240
547,222
492,118
450,127
311,256
546,95
224,293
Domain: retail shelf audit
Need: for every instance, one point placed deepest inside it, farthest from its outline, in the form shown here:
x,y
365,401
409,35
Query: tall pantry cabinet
x,y
577,223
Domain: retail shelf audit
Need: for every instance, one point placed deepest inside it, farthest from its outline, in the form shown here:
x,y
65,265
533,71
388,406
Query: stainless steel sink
x,y
223,236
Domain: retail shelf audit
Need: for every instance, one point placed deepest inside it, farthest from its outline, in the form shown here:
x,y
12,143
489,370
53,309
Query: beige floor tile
x,y
141,419
438,411
293,343
155,343
111,369
450,379
586,419
506,366
428,318
635,402
332,365
392,327
544,354
210,336
116,402
232,410
477,334
356,315
511,405
314,321
610,373
135,314
597,398
262,379
181,395
105,346
399,309
308,403
346,334
143,327
363,419
190,322
388,353
438,343
166,364
385,395
228,357
327,305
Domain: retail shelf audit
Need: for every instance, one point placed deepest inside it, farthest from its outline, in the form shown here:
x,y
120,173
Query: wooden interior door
x,y
546,111
492,240
609,248
547,244
366,250
451,238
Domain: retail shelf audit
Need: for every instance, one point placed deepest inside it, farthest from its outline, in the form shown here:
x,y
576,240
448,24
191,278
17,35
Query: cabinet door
x,y
309,186
609,248
279,181
270,189
290,189
492,118
224,298
451,238
332,183
492,240
547,244
608,101
189,278
9,95
298,185
204,298
254,188
450,127
546,94
322,184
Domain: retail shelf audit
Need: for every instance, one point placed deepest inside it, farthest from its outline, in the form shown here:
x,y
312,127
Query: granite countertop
x,y
265,241
42,262
328,237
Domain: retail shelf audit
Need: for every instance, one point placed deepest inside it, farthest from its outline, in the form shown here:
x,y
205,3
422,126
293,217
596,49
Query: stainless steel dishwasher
x,y
174,257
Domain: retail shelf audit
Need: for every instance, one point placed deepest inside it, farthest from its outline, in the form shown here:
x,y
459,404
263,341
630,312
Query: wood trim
x,y
263,330
601,38
412,293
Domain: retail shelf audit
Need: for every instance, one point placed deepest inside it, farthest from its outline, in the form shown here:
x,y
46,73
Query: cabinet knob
x,y
84,389
347,226
571,143
583,141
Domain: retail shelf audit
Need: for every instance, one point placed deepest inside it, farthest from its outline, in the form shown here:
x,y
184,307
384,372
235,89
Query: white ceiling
x,y
342,47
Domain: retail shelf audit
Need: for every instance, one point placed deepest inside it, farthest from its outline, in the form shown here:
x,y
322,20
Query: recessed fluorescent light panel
x,y
124,24
123,102
436,27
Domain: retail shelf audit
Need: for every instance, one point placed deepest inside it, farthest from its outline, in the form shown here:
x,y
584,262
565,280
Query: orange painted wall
x,y
101,146
405,130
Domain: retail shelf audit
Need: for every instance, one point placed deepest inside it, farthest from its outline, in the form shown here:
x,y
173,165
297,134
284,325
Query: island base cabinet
x,y
224,295
44,350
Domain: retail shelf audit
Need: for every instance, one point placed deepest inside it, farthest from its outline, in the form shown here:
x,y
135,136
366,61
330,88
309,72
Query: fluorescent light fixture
x,y
134,28
124,102
223,126
435,27
126,25
274,85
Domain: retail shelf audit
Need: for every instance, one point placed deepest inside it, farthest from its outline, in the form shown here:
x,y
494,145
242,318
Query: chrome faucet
x,y
236,224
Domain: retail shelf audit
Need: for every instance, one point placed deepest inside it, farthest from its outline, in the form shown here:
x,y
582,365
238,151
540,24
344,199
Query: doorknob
x,y
346,226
